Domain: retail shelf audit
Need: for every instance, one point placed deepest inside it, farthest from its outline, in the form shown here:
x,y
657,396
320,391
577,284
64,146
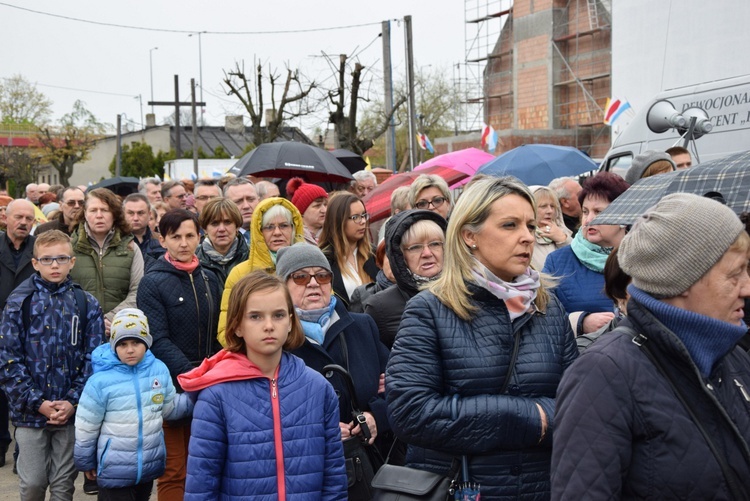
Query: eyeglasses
x,y
302,278
270,228
435,202
48,260
73,203
435,246
364,217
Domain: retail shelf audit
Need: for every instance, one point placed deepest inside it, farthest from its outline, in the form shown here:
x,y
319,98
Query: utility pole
x,y
195,128
390,134
176,103
118,162
410,90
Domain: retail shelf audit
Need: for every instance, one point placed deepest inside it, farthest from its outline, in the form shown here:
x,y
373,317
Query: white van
x,y
727,103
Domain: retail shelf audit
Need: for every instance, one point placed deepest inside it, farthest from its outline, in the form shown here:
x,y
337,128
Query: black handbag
x,y
362,459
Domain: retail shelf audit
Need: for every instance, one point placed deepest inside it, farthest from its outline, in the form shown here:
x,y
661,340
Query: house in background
x,y
233,137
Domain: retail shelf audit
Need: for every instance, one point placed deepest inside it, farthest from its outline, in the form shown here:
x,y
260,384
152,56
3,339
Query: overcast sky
x,y
108,67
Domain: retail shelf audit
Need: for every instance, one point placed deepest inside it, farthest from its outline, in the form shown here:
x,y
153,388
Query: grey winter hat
x,y
676,242
298,256
130,323
642,162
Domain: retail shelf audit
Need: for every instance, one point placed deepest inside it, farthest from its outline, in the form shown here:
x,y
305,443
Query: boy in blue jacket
x,y
49,329
118,436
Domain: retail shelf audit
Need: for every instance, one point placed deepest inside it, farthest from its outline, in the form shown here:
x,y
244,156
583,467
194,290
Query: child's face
x,y
130,351
55,272
265,325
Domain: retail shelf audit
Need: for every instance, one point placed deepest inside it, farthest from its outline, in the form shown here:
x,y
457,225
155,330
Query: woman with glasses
x,y
333,335
480,353
223,247
431,192
345,241
414,246
276,224
109,264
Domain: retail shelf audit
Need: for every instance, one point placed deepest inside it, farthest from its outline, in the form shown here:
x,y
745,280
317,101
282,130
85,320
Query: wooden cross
x,y
176,103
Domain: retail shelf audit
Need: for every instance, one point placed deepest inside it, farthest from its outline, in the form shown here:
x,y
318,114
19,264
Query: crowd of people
x,y
225,342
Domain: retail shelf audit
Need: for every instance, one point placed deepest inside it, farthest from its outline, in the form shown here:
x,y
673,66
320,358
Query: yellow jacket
x,y
259,257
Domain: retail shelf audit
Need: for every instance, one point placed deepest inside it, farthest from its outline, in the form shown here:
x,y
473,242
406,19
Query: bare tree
x,y
348,134
71,141
290,105
21,103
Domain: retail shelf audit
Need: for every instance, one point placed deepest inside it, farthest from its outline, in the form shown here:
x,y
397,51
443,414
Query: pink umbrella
x,y
466,161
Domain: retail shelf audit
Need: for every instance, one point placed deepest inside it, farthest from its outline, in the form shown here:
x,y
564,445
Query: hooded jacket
x,y
222,270
48,361
263,439
182,310
119,419
386,307
259,257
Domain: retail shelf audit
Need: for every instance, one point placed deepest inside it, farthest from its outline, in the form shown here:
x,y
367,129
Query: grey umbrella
x,y
727,178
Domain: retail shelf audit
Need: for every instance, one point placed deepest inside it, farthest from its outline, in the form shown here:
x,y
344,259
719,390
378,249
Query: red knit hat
x,y
303,194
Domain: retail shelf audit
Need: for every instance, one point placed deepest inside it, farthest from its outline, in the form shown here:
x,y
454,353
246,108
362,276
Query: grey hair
x,y
146,181
557,186
276,211
364,175
238,181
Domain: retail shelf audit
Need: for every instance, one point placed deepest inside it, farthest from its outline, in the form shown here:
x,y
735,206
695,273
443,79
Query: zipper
x,y
274,394
742,390
197,309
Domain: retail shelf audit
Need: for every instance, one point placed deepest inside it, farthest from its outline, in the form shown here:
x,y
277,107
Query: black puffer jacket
x,y
182,315
387,306
437,355
622,433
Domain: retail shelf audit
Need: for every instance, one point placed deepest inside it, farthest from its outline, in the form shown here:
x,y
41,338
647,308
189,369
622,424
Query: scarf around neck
x,y
518,295
215,256
592,256
188,267
315,322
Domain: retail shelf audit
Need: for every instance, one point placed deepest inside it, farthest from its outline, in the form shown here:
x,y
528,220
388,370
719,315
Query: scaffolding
x,y
582,62
484,22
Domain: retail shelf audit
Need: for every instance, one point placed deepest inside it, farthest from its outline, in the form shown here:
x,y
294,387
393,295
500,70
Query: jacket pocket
x,y
103,457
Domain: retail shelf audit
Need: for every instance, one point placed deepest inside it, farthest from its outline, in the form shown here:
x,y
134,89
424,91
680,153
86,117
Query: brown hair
x,y
113,203
258,281
51,237
333,239
217,209
658,167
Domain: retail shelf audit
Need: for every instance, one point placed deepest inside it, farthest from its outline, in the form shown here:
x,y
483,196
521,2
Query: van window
x,y
620,164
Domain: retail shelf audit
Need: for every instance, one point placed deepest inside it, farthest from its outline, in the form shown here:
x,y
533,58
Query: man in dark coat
x,y
16,251
71,206
660,407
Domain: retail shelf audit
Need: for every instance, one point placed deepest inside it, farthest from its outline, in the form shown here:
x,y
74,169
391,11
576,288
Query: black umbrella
x,y
120,185
288,159
351,160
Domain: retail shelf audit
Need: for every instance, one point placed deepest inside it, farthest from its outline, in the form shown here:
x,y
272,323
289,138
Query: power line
x,y
85,90
163,30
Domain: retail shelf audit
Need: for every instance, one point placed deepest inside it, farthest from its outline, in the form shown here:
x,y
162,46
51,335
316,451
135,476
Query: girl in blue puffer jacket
x,y
265,427
119,439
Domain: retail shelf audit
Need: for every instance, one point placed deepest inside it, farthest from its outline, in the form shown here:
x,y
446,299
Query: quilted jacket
x,y
182,315
580,289
118,433
437,355
49,361
261,439
386,306
622,433
222,270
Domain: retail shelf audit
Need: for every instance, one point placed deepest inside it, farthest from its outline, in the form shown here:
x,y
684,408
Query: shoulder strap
x,y
641,341
81,303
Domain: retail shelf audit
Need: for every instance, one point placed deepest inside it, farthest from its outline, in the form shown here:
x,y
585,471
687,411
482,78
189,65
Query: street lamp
x,y
151,68
200,66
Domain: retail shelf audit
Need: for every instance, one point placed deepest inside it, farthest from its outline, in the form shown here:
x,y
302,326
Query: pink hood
x,y
223,367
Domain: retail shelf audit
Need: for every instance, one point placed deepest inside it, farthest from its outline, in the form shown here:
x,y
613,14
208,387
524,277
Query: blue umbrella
x,y
538,164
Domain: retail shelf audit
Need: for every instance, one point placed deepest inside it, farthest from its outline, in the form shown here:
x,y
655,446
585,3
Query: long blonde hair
x,y
469,214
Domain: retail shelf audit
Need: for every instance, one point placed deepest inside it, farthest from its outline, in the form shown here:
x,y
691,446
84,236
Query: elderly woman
x,y
479,355
431,192
223,247
335,336
551,233
580,265
109,264
345,242
414,245
276,223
